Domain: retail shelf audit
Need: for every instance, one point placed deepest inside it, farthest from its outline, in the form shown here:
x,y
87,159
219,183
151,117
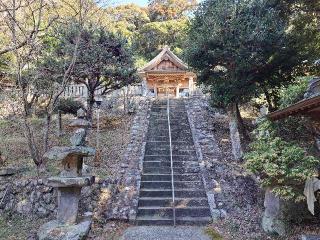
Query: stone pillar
x,y
144,86
177,92
68,203
190,85
155,91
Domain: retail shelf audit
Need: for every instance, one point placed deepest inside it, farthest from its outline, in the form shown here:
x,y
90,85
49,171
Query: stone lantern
x,y
68,224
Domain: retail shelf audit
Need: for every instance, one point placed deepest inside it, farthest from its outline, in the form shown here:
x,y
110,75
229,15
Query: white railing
x,y
171,163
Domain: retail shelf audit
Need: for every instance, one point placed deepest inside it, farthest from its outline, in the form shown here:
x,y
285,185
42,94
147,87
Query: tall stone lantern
x,y
68,224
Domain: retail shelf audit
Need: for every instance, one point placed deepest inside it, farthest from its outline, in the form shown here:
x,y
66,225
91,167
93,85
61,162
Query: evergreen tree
x,y
238,47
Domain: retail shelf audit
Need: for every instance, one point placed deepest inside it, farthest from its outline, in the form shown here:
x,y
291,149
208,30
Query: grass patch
x,y
213,234
16,226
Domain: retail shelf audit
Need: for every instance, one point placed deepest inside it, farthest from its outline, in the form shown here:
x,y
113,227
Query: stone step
x,y
167,202
167,177
161,221
164,132
167,163
176,145
166,151
181,193
154,220
167,170
179,212
168,184
175,158
199,221
155,202
164,137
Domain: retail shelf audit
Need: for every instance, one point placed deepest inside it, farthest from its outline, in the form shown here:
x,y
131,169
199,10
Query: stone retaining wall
x,y
124,201
207,149
33,196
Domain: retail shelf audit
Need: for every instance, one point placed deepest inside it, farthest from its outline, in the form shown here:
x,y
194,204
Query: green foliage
x,y
294,92
153,36
164,10
69,105
214,234
239,48
127,19
279,164
148,30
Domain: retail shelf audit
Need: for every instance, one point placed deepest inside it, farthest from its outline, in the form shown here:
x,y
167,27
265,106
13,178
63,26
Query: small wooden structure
x,y
310,106
167,74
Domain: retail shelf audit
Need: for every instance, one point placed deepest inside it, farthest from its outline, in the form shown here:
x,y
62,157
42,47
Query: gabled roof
x,y
165,54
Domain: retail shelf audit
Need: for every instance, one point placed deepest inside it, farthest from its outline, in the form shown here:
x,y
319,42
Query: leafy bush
x,y
69,106
294,93
280,165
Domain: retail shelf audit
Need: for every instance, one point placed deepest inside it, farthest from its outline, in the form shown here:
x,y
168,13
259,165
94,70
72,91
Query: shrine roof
x,y
165,54
309,107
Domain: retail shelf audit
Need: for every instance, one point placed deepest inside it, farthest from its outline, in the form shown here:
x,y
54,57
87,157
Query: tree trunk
x,y
59,124
46,132
234,132
90,105
242,126
125,103
35,155
268,98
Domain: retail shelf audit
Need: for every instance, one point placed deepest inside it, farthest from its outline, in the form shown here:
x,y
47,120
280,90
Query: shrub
x,y
279,164
294,92
69,106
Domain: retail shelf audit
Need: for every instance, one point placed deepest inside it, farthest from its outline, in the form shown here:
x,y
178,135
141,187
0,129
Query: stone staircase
x,y
155,206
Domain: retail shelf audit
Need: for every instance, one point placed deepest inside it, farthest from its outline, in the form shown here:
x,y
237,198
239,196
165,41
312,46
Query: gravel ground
x,y
165,233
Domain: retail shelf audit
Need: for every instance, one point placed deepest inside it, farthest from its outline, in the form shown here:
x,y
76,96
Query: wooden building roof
x,y
165,55
309,107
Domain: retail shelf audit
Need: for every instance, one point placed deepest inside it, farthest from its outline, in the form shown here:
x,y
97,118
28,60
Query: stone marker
x,y
68,224
273,219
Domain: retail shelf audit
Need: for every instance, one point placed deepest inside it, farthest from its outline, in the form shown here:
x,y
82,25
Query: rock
x,y
78,138
86,169
223,213
310,237
80,123
47,198
81,113
88,214
216,215
32,196
7,171
24,207
61,153
32,236
272,221
55,231
124,165
42,212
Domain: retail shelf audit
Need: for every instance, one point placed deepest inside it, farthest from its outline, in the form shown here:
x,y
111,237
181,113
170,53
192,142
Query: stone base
x,y
54,230
310,237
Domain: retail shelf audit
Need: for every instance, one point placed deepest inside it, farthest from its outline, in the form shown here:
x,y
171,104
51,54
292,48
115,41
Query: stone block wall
x,y
34,197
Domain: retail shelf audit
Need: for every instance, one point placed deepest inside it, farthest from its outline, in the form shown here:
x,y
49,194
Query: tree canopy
x,y
238,47
163,10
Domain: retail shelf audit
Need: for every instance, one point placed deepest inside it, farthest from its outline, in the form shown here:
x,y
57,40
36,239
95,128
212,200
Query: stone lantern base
x,y
54,230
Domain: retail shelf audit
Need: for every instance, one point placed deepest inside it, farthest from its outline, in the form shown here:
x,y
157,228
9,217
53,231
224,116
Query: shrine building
x,y
167,74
